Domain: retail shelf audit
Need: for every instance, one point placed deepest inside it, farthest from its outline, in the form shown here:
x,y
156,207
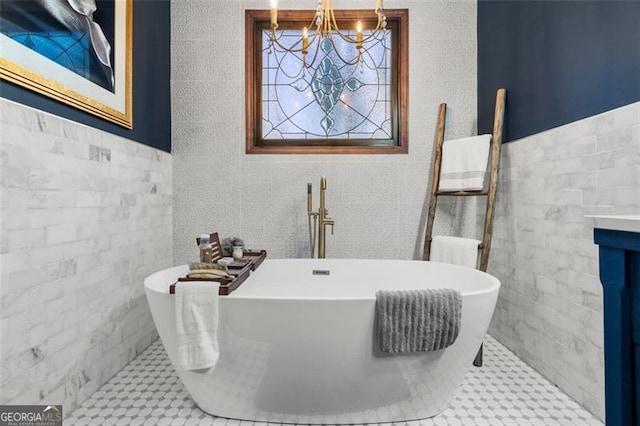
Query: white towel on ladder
x,y
464,163
455,250
197,324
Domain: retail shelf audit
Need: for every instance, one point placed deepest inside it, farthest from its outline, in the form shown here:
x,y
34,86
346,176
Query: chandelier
x,y
326,29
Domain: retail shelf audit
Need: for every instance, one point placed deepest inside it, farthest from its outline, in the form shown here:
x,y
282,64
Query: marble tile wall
x,y
377,200
550,307
85,216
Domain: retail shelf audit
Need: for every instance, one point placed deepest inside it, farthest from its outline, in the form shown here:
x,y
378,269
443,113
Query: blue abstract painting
x,y
76,34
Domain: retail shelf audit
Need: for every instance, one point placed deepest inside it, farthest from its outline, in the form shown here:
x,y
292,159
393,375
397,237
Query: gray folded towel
x,y
418,320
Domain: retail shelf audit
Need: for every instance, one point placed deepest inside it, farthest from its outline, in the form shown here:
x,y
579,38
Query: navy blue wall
x,y
560,61
151,74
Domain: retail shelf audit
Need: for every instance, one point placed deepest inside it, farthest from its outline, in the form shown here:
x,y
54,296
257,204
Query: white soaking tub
x,y
301,348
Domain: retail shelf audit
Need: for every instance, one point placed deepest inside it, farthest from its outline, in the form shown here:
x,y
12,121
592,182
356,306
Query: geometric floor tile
x,y
504,391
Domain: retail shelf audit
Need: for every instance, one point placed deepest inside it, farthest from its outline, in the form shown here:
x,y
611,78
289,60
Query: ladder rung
x,y
463,193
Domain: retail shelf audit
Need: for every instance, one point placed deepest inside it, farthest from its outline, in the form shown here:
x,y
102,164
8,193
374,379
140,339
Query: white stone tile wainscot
x,y
85,216
550,307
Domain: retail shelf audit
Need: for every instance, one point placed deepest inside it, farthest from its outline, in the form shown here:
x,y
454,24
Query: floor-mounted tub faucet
x,y
320,219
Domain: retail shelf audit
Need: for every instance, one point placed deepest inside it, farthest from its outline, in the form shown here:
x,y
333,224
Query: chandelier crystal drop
x,y
324,27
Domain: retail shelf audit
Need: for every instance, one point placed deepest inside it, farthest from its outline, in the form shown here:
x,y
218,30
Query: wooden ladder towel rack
x,y
490,192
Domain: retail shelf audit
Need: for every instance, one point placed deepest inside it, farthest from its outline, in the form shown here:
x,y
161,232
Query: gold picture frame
x,y
28,68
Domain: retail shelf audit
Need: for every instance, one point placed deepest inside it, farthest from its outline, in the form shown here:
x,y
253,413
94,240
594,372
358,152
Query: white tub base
x,y
299,348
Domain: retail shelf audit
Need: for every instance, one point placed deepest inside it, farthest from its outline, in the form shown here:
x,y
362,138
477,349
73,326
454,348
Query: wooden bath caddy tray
x,y
240,270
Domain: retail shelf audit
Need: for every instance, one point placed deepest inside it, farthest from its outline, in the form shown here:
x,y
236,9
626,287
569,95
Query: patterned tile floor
x,y
505,391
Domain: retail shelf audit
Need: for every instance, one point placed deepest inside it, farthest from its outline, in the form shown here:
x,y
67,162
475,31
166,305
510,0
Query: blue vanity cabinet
x,y
618,239
637,334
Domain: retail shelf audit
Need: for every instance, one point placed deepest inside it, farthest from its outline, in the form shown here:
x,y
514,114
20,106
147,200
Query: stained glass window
x,y
337,101
331,99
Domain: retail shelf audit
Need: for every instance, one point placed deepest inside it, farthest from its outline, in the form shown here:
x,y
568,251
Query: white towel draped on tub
x,y
197,324
455,250
464,163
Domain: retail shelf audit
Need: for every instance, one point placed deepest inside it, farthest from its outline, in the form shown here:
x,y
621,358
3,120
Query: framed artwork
x,y
75,51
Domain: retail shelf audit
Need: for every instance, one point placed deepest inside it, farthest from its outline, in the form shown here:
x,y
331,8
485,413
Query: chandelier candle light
x,y
326,27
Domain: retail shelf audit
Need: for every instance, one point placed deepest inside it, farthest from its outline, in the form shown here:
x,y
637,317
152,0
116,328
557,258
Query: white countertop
x,y
629,223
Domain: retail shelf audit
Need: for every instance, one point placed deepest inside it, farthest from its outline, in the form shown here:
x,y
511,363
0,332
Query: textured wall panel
x,y
376,200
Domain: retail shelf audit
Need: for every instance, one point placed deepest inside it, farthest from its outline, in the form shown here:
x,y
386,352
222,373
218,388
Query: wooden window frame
x,y
257,20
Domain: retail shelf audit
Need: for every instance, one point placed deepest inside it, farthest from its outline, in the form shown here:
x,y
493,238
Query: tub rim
x,y
493,283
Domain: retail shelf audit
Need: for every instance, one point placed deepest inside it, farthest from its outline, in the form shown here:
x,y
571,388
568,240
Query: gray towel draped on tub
x,y
417,320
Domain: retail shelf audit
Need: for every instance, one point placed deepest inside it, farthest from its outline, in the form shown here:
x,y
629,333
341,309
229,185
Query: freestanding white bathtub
x,y
301,348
